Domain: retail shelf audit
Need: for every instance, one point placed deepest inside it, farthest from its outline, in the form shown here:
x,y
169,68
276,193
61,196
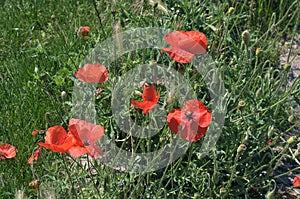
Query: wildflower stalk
x,y
69,174
240,149
286,173
99,18
280,155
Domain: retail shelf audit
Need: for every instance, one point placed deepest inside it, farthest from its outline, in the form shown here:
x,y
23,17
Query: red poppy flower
x,y
7,151
83,31
86,134
34,184
185,45
296,182
190,122
35,156
92,73
150,99
57,140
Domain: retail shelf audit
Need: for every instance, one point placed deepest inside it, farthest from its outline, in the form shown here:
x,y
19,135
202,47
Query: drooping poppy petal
x,y
150,99
7,151
191,122
96,73
35,156
191,41
296,182
83,31
178,55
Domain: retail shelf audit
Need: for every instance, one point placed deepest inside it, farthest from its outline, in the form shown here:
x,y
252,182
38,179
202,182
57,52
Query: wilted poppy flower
x,y
7,151
35,156
185,45
191,121
57,140
35,132
34,184
83,31
150,99
86,134
296,182
92,73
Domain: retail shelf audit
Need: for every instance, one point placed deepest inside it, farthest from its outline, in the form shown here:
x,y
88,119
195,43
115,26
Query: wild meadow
x,y
149,99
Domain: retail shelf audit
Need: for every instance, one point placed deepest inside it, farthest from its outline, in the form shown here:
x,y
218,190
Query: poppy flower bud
x,y
196,195
36,69
63,95
246,37
291,119
258,93
230,10
292,139
287,67
270,131
297,153
257,51
242,103
138,93
223,192
241,148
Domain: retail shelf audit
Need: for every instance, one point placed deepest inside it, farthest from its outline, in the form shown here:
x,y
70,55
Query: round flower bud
x,y
63,95
230,10
246,37
292,139
241,148
242,103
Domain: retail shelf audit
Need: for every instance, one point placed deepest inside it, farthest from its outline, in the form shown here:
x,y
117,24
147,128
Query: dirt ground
x,y
291,55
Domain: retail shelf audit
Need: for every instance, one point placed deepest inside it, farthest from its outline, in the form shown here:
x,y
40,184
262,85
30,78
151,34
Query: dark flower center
x,y
189,115
86,142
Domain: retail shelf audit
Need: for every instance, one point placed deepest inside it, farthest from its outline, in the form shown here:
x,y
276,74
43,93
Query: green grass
x,y
42,35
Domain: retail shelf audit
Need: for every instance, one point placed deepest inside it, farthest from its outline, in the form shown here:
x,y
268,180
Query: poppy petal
x,y
55,135
201,44
192,41
203,115
7,150
35,156
149,93
174,120
94,151
96,73
77,151
86,131
179,55
296,182
150,99
145,106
